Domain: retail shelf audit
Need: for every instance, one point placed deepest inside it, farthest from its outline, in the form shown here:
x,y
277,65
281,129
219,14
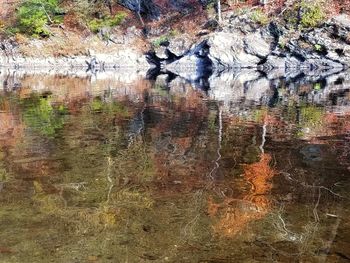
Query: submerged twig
x,y
263,138
287,175
317,218
219,146
109,179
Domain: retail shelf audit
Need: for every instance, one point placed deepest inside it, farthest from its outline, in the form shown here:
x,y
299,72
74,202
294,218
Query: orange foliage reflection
x,y
235,214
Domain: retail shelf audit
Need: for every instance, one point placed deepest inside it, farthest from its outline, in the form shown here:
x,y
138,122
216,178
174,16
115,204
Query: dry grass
x,y
66,43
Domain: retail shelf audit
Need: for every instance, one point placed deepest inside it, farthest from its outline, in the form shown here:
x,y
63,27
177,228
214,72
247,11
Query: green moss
x,y
135,164
97,104
259,114
242,10
318,47
163,39
282,44
4,175
174,33
317,86
212,122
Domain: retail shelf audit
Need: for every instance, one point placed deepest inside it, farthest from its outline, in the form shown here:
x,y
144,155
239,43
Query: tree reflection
x,y
235,213
127,174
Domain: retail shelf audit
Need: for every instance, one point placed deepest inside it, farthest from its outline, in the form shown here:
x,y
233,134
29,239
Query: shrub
x,y
160,41
306,14
210,4
258,16
96,24
312,13
34,16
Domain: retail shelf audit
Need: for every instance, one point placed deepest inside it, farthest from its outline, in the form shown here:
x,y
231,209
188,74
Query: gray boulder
x,y
255,45
179,45
228,50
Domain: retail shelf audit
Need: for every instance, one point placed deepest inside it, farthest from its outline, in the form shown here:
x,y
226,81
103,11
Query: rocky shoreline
x,y
272,48
237,43
11,59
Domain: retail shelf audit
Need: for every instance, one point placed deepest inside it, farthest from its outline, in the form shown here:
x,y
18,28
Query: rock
x,y
257,90
274,61
342,20
255,45
240,24
161,81
331,41
11,57
228,50
196,62
147,7
311,153
243,44
179,45
211,24
237,43
340,26
133,32
161,52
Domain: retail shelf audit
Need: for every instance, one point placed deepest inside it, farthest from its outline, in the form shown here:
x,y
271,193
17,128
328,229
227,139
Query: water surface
x,y
229,168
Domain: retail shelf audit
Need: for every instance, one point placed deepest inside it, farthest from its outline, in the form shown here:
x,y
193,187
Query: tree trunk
x,y
219,11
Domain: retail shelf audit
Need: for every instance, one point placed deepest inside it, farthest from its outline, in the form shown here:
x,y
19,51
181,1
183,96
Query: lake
x,y
117,167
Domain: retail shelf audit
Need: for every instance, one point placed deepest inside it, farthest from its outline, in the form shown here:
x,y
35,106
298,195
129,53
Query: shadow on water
x,y
236,167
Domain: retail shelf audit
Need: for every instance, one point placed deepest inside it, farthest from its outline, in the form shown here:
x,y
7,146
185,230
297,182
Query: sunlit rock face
x,y
236,50
242,44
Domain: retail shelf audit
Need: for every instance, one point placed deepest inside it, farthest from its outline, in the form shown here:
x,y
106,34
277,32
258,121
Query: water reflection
x,y
117,168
